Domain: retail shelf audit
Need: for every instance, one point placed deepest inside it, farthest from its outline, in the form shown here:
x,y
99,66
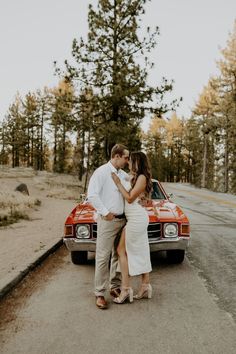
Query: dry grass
x,y
60,186
15,206
63,193
7,172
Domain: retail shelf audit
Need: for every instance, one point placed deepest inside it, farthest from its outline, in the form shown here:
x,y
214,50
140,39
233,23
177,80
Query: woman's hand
x,y
145,202
115,178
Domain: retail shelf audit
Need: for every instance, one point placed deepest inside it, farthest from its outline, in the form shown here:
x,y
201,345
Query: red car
x,y
168,228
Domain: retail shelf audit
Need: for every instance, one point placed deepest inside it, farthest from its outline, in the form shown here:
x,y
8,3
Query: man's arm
x,y
95,185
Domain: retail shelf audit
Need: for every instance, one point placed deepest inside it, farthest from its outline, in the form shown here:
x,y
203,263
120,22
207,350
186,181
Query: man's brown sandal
x,y
101,302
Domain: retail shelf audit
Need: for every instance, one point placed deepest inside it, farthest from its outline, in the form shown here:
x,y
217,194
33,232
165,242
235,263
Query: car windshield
x,y
156,192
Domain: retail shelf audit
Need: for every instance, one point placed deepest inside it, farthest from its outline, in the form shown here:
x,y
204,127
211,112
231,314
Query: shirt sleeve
x,y
94,188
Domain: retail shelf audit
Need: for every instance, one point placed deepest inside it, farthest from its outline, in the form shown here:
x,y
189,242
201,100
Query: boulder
x,y
22,188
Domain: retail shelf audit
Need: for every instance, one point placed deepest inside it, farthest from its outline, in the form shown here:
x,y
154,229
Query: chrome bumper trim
x,y
178,243
80,245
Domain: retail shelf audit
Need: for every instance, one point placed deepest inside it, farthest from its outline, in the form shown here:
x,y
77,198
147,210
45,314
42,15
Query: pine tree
x,y
15,132
193,151
227,66
108,63
154,142
30,125
43,114
4,151
206,109
62,123
174,142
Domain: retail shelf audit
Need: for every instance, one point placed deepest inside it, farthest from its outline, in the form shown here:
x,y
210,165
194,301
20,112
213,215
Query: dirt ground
x,y
25,241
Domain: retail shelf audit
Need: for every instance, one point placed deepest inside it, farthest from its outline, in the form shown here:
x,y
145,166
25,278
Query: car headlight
x,y
82,231
171,230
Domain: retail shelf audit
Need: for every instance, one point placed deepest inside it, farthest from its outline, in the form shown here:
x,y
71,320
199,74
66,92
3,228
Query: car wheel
x,y
79,257
175,256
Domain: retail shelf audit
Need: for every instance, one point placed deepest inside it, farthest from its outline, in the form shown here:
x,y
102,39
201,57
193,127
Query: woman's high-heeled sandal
x,y
126,294
145,292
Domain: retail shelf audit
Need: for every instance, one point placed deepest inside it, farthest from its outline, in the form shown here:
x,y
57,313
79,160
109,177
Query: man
x,y
109,203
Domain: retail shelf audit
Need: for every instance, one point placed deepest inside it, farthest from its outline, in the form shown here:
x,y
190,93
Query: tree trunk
x,y
41,164
203,183
226,162
81,166
88,163
55,150
63,157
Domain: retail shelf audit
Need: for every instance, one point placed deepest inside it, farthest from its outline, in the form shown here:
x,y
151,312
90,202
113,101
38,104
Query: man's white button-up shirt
x,y
103,193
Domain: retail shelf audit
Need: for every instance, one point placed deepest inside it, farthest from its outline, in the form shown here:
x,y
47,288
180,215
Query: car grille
x,y
94,230
154,230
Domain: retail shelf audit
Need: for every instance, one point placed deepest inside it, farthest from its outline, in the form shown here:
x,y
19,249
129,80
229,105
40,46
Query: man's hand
x,y
109,217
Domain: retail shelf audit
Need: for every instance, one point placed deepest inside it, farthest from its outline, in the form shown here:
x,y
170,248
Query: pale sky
x,y
34,33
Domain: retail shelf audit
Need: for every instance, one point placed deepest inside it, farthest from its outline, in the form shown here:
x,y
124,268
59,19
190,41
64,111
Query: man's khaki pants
x,y
107,233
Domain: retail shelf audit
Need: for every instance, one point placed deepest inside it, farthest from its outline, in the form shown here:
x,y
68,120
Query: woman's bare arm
x,y
139,187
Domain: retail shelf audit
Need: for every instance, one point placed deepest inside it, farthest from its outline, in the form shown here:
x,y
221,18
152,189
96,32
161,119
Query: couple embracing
x,y
117,196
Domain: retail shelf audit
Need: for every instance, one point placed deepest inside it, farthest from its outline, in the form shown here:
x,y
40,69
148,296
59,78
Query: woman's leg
x,y
121,250
145,278
145,290
126,291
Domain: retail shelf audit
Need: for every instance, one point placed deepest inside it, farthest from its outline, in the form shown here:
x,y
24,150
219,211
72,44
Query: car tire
x,y
175,256
79,257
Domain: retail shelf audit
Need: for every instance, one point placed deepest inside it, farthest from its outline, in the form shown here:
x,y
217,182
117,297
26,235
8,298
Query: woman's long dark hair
x,y
140,166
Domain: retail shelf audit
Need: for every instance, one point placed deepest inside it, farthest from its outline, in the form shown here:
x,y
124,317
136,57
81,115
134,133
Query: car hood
x,y
83,213
165,211
158,211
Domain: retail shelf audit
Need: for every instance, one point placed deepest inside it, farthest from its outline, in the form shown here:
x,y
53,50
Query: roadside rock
x,y
22,188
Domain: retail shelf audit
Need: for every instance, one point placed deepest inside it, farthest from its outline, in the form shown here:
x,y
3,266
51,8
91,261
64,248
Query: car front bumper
x,y
177,243
74,244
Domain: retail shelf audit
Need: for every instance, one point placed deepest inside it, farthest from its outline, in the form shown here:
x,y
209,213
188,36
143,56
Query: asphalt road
x,y
213,239
192,309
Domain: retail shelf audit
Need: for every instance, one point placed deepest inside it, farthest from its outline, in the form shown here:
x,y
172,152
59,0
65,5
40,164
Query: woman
x,y
133,248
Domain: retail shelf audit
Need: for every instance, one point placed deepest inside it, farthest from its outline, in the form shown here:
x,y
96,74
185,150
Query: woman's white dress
x,y
136,237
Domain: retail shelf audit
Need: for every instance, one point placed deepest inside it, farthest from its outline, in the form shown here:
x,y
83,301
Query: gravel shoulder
x,y
24,242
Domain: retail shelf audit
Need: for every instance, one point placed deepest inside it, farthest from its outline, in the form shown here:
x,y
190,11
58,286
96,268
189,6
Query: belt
x,y
120,216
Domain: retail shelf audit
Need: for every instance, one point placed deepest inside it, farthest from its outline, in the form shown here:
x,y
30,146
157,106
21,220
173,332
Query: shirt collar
x,y
113,168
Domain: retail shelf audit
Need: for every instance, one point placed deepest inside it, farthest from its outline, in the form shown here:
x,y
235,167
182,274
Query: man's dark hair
x,y
118,149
